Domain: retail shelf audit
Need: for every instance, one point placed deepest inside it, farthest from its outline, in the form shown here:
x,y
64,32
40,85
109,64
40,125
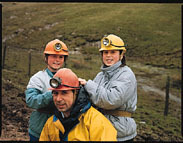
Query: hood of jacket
x,y
110,71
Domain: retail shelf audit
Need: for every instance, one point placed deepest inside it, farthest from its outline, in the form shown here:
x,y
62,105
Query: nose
x,y
57,58
108,54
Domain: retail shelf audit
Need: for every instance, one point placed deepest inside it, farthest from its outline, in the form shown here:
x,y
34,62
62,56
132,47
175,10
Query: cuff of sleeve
x,y
88,86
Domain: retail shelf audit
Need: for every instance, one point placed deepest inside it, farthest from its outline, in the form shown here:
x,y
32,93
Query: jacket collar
x,y
110,71
58,124
49,72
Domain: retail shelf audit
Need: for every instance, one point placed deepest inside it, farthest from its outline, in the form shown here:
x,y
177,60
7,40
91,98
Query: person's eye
x,y
105,52
54,92
64,92
61,57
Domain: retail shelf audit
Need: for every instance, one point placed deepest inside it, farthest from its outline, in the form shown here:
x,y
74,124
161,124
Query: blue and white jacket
x,y
38,97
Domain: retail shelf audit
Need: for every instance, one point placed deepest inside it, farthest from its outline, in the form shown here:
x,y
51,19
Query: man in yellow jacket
x,y
74,119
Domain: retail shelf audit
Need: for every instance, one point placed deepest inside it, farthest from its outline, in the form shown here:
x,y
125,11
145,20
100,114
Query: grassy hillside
x,y
151,31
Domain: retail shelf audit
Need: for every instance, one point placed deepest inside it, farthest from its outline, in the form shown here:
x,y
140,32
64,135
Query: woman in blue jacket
x,y
114,89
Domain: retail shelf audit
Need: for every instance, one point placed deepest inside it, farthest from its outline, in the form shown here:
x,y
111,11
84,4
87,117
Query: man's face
x,y
110,57
55,62
64,100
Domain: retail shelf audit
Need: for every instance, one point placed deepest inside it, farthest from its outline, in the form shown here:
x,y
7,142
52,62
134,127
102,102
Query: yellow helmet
x,y
56,47
112,42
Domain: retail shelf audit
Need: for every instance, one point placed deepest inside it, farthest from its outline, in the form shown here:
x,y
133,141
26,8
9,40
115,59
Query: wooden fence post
x,y
167,96
4,56
29,68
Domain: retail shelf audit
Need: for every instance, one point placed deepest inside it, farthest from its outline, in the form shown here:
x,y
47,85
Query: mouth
x,y
109,60
60,106
56,64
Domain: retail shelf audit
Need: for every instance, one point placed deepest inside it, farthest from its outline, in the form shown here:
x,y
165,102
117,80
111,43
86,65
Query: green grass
x,y
152,31
157,123
148,29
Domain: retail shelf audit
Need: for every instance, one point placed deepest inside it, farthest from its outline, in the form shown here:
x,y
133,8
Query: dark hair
x,y
123,60
65,59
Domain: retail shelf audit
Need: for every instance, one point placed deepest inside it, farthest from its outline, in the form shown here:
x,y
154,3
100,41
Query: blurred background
x,y
152,32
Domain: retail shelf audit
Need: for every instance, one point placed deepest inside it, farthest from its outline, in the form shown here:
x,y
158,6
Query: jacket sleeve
x,y
36,100
119,92
36,95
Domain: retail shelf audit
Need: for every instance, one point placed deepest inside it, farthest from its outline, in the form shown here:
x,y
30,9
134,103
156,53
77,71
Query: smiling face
x,y
110,57
64,100
55,62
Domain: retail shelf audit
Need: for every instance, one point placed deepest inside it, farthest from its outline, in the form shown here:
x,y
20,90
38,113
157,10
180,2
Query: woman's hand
x,y
82,81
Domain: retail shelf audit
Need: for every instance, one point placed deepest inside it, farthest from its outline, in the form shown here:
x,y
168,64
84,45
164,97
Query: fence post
x,y
29,68
4,56
167,96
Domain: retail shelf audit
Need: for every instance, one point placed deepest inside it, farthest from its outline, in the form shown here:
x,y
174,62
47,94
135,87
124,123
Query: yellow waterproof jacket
x,y
92,126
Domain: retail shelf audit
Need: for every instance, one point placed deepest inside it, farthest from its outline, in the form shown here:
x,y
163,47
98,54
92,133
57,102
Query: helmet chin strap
x,y
121,56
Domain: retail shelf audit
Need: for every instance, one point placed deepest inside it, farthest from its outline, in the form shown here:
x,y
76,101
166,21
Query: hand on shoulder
x,y
82,81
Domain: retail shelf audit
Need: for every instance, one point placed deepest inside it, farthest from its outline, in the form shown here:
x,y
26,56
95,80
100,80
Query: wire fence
x,y
22,60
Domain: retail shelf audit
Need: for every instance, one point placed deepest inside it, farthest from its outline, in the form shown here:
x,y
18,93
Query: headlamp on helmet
x,y
55,82
106,42
58,47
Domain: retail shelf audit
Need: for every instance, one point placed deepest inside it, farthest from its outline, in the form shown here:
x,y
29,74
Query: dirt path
x,y
150,83
147,88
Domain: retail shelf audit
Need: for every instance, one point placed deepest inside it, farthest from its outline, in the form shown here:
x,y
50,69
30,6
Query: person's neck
x,y
52,70
66,114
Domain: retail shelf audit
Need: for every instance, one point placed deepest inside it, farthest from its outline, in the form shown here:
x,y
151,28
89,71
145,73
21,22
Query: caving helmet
x,y
56,47
64,79
112,42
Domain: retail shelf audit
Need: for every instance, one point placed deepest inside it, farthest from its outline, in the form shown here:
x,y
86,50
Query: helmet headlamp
x,y
55,82
106,42
58,47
